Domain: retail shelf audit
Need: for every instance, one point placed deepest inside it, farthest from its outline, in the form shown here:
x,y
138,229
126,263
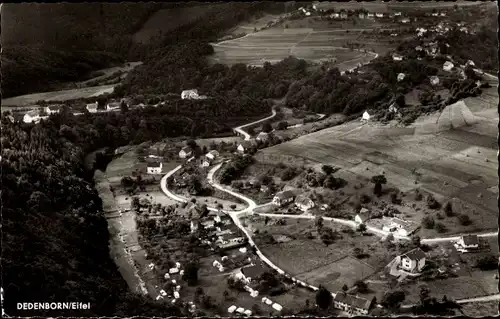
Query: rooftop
x,y
303,200
254,271
415,254
285,194
354,301
154,164
470,240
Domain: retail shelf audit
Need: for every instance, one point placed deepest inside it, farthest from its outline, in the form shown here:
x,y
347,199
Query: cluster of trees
x,y
325,179
52,222
234,168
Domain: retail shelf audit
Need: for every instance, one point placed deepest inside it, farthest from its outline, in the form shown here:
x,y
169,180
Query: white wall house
x,y
401,77
189,94
434,80
362,216
448,66
206,162
185,152
154,168
92,107
283,198
469,242
351,304
304,203
113,106
212,154
413,261
366,116
32,117
52,109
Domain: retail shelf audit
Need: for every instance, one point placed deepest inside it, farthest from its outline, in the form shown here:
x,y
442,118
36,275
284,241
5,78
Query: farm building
x,y
434,80
231,309
245,146
277,307
469,242
52,109
212,154
154,168
370,15
405,20
448,66
185,152
470,63
352,304
397,57
92,107
366,117
304,203
283,198
361,15
379,15
413,261
398,226
32,116
397,14
401,77
343,15
112,106
263,136
253,272
362,216
335,16
189,94
206,162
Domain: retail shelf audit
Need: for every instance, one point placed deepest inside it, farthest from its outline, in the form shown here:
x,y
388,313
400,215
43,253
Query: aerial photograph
x,y
249,159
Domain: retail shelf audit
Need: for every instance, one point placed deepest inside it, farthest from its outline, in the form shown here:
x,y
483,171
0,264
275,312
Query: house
x,y
194,226
253,272
469,63
155,168
397,14
370,15
413,261
464,29
212,154
185,152
435,14
248,312
264,188
366,117
283,198
394,109
92,107
308,13
112,106
277,306
401,77
442,14
361,15
206,162
335,16
231,309
245,146
32,116
343,15
397,57
232,243
189,94
434,80
304,203
263,136
469,242
379,15
352,304
362,216
448,66
52,109
419,48
405,20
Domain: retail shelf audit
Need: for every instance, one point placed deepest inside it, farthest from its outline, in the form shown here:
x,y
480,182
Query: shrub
x,y
432,203
448,209
365,198
428,222
489,262
440,228
464,220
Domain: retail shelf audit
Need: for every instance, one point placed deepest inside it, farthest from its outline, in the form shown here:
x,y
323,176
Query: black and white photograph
x,y
249,159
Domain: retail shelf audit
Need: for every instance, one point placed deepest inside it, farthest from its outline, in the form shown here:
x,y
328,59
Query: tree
x,y
123,106
266,127
488,262
400,100
362,228
415,239
345,288
191,274
428,222
318,222
378,180
283,125
136,203
327,169
440,228
323,298
393,299
432,203
362,286
448,209
464,220
226,294
424,295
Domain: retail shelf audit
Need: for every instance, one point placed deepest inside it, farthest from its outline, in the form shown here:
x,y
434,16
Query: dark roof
x,y
54,107
415,254
186,149
364,214
285,194
470,240
154,164
353,301
254,271
303,200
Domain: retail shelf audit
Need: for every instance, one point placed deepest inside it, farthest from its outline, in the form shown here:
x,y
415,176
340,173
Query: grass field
x,y
458,164
63,95
481,309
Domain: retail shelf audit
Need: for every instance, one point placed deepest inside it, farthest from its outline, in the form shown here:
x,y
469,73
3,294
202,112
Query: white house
x,y
189,94
277,307
335,15
193,226
362,216
419,48
413,261
112,106
248,312
231,309
308,13
185,152
434,80
397,57
155,168
92,107
405,20
283,198
469,242
206,162
470,63
343,15
212,154
401,77
366,116
396,14
304,203
245,146
240,310
351,304
379,15
361,15
32,116
52,109
448,66
370,15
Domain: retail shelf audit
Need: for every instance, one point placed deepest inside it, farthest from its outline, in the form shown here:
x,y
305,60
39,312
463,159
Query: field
x,y
63,95
458,164
391,6
275,44
481,309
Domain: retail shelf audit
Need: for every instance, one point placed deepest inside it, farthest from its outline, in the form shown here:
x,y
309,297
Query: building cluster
x,y
39,113
192,95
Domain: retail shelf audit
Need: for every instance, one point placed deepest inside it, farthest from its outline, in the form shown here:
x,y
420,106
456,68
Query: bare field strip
x,y
333,276
63,95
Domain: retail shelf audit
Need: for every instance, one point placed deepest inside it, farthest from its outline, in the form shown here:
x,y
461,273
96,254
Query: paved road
x,y
445,239
239,129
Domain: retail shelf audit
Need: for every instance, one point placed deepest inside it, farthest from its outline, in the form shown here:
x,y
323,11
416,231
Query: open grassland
x,y
63,95
481,309
275,44
458,165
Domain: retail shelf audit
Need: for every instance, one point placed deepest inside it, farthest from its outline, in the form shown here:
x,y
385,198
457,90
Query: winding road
x,y
247,136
